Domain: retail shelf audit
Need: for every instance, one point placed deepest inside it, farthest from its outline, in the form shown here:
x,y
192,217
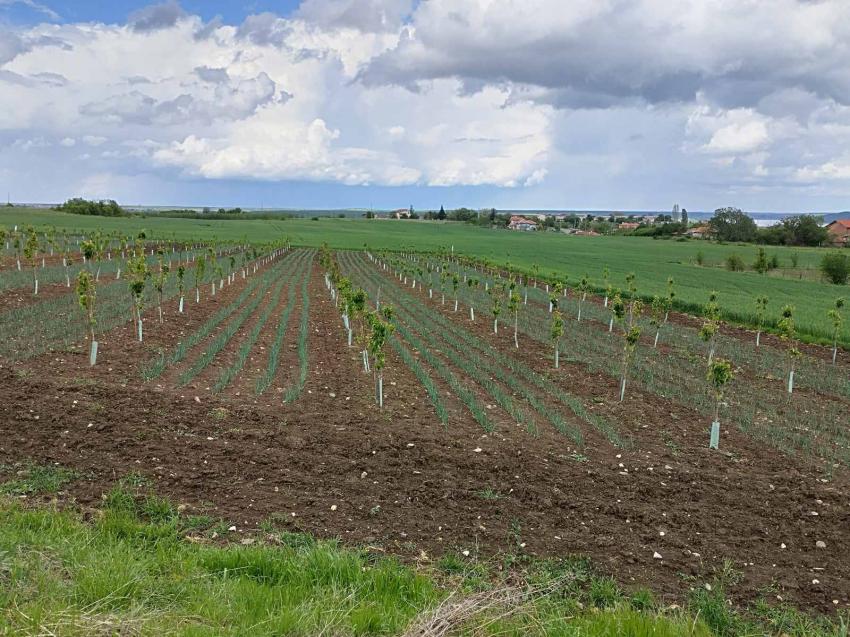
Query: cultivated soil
x,y
664,513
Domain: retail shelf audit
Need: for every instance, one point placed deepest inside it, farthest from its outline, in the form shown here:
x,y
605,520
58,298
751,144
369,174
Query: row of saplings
x,y
34,247
369,329
140,272
625,311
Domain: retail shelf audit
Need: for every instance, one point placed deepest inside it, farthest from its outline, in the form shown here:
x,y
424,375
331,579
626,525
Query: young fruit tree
x,y
631,334
138,270
556,333
581,292
606,283
656,316
86,295
761,314
17,245
455,285
200,270
719,374
711,325
381,328
31,255
671,298
787,333
88,250
471,283
357,309
835,316
181,283
555,295
495,305
159,281
513,307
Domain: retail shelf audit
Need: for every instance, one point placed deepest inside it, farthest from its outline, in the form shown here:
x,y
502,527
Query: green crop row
x,y
295,389
162,362
265,380
222,338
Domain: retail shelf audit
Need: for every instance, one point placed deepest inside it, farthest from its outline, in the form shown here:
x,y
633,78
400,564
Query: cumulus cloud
x,y
156,16
363,15
595,54
555,103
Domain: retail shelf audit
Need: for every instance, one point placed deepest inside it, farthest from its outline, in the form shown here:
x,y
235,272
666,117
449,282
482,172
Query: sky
x,y
587,104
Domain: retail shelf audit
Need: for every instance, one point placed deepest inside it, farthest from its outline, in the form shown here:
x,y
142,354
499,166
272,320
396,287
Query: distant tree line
x,y
731,224
103,208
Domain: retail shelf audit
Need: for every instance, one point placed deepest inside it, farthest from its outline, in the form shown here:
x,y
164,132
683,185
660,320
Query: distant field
x,y
651,260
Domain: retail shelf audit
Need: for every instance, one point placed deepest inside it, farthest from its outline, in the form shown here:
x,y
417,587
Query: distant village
x,y
676,224
584,224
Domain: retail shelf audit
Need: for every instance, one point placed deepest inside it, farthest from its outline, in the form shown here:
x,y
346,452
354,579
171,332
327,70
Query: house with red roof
x,y
521,223
839,232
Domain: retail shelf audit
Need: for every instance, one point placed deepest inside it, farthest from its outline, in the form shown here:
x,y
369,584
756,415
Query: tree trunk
x,y
516,329
556,357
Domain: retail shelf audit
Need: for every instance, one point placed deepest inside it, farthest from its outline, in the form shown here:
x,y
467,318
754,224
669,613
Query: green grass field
x,y
653,261
138,567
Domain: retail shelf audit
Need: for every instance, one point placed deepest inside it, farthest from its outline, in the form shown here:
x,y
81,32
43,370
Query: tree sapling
x,y
719,374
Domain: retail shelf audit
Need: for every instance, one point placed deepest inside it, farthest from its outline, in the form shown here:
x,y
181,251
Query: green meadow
x,y
652,261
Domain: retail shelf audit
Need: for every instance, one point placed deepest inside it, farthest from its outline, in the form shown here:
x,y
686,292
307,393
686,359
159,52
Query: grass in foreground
x,y
132,571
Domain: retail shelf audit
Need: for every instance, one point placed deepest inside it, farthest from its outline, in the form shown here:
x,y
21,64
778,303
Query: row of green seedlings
x,y
156,369
297,387
373,327
661,306
139,273
33,247
227,375
468,344
481,363
533,275
625,314
232,327
466,395
265,381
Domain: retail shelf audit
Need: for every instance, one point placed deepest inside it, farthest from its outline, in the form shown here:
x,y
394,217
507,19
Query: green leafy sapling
x,y
656,316
472,283
606,283
159,281
181,284
137,269
495,305
455,285
788,334
555,295
556,332
835,316
671,298
18,245
761,315
200,271
86,296
31,255
581,291
381,328
719,374
711,325
513,307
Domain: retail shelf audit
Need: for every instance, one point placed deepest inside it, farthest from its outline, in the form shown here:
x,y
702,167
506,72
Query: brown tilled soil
x,y
403,483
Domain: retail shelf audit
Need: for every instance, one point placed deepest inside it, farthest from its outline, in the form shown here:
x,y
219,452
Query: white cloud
x,y
554,102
